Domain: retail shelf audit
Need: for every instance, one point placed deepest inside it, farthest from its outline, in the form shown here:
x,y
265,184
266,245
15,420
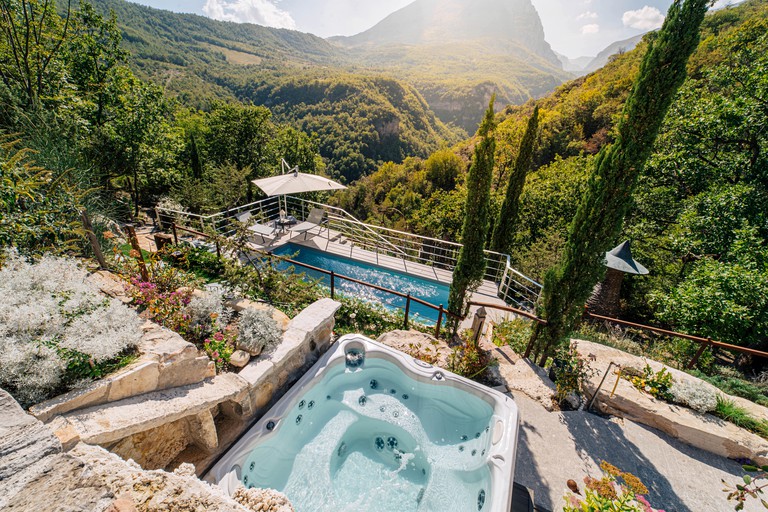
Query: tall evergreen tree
x,y
600,215
471,262
505,226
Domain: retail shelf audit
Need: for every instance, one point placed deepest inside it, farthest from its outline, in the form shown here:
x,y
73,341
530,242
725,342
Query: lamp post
x,y
605,296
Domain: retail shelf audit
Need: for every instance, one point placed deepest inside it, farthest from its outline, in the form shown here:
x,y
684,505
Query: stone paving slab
x,y
556,446
111,422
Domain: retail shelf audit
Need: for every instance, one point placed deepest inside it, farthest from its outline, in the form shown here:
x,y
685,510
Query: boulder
x,y
239,358
419,345
701,430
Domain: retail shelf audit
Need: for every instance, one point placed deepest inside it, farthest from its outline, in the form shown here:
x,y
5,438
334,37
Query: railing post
x,y
94,241
477,324
218,250
139,256
407,310
701,350
175,235
333,284
439,321
532,342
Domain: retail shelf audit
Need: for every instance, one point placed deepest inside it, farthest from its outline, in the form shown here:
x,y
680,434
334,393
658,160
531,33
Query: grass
x,y
736,386
739,416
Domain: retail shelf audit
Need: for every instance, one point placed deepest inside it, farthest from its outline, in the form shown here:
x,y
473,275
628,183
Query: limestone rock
x,y
167,361
262,500
519,374
118,420
110,284
700,430
417,344
151,491
23,439
185,469
277,315
239,358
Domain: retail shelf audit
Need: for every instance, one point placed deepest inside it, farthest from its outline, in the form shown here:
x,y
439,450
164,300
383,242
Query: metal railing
x,y
369,240
333,276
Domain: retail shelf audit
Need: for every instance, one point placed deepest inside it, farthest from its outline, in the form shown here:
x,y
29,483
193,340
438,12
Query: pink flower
x,y
644,502
215,354
207,342
218,336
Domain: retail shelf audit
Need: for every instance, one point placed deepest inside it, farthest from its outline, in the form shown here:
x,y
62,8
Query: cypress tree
x,y
505,227
600,214
470,266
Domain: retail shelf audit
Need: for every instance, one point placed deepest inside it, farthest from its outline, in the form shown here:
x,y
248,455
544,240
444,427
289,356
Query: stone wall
x,y
37,474
195,422
701,430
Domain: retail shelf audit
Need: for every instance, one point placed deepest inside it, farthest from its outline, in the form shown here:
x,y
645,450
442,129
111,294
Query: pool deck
x,y
333,243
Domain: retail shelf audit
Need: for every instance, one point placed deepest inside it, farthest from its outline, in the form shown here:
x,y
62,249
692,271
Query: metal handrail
x,y
513,286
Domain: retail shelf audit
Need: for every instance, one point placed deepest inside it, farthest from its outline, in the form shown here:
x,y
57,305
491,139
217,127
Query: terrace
x,y
364,247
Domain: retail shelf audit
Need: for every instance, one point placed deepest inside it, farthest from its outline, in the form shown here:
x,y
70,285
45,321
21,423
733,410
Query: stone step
x,y
108,423
166,361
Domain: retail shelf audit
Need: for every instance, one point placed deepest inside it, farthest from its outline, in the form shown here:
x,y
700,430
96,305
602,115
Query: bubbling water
x,y
378,443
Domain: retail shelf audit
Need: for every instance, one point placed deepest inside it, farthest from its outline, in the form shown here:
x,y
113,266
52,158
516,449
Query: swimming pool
x,y
370,428
431,291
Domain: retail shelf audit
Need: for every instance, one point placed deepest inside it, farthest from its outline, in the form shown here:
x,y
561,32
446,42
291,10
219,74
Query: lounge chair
x,y
316,218
260,229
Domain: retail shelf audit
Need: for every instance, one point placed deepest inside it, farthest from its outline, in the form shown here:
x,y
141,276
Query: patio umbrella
x,y
295,182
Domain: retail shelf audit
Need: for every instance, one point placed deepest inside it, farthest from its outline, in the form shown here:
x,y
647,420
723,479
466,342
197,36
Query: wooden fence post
x,y
407,310
701,350
333,284
477,324
439,321
175,235
94,241
137,248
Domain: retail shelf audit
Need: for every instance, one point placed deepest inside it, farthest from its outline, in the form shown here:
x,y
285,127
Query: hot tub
x,y
369,428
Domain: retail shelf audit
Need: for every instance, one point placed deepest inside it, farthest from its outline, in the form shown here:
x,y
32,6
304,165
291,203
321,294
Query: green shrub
x,y
571,371
364,317
515,333
656,384
258,331
469,360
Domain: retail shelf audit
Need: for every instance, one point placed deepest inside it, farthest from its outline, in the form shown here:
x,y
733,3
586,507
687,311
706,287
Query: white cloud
x,y
647,18
588,15
261,12
592,28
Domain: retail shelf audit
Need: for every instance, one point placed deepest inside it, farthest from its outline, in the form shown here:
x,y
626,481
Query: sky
x,y
572,27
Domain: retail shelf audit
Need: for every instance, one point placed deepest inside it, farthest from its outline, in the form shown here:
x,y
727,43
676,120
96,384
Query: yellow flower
x,y
634,483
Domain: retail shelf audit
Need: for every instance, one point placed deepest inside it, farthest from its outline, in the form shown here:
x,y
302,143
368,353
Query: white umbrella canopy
x,y
294,182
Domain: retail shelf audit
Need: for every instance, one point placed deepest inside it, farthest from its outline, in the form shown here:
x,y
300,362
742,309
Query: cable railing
x,y
367,241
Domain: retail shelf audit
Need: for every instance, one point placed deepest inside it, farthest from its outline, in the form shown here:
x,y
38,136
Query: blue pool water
x,y
431,291
373,439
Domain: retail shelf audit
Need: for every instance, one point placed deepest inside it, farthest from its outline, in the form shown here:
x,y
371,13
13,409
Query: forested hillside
x,y
699,217
360,120
438,81
459,52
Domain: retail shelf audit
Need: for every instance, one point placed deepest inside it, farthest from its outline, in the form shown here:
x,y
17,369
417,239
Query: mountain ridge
x,y
445,21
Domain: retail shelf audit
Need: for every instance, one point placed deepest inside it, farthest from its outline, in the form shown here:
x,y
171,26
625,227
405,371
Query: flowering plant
x,y
616,490
165,308
220,347
656,384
